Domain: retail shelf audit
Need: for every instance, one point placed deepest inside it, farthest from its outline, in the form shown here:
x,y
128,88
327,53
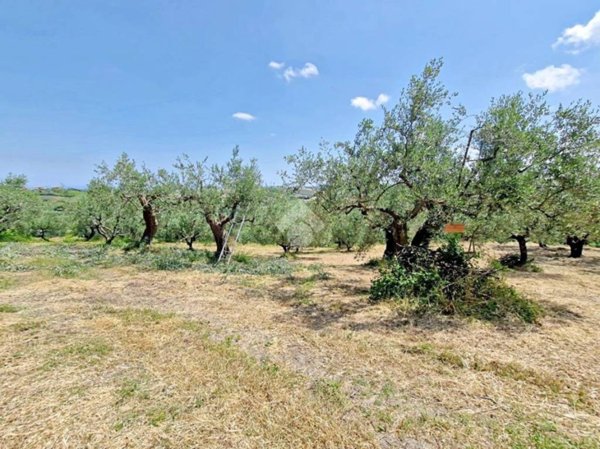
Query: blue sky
x,y
81,82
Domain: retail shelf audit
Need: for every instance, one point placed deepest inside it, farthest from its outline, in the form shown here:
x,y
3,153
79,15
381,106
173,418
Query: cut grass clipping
x,y
62,260
445,281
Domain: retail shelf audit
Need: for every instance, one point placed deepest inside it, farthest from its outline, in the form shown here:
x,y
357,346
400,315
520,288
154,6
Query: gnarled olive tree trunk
x,y
150,221
576,244
108,235
218,231
89,234
396,236
522,241
426,232
189,241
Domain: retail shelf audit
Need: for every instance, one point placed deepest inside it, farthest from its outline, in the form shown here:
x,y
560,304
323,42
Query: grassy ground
x,y
109,351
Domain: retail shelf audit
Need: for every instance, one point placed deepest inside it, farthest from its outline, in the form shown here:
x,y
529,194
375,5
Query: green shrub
x,y
396,282
241,258
14,236
319,272
492,299
513,262
445,281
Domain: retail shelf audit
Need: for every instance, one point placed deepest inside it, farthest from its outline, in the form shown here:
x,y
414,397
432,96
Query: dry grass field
x,y
127,357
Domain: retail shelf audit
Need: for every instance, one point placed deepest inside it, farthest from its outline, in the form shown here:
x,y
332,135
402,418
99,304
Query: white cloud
x,y
276,65
382,99
366,104
553,78
363,103
579,37
309,70
244,116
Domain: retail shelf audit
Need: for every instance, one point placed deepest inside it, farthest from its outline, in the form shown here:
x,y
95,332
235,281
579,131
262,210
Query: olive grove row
x,y
522,169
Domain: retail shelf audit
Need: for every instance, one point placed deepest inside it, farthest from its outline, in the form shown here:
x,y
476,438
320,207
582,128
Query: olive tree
x,y
217,193
504,184
133,185
402,176
285,220
184,223
43,221
351,230
15,201
534,169
104,211
573,217
575,210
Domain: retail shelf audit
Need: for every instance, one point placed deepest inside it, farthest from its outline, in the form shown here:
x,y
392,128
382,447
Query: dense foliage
x,y
537,172
399,175
446,281
15,203
218,194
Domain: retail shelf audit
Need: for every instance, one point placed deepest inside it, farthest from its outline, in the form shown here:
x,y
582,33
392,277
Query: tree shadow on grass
x,y
319,303
349,288
524,275
560,313
306,258
559,256
353,313
409,322
321,316
342,301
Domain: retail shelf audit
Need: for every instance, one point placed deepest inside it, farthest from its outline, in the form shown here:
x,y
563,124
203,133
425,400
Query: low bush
x,y
241,258
14,236
445,281
510,261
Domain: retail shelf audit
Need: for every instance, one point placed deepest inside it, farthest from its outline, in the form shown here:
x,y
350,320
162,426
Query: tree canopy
x,y
218,193
518,170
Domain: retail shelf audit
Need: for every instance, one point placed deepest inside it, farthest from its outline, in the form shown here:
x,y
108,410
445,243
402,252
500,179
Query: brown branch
x,y
224,220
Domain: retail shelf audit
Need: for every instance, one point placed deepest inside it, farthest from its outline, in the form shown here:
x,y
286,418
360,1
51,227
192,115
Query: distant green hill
x,y
60,197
